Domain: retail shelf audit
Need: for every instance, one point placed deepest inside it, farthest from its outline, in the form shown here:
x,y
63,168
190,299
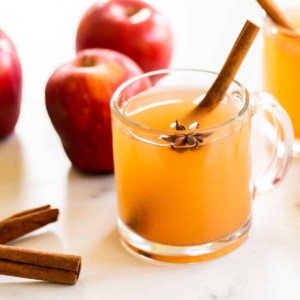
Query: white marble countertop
x,y
35,171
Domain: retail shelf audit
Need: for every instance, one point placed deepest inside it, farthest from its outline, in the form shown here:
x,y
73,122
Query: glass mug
x,y
281,68
192,202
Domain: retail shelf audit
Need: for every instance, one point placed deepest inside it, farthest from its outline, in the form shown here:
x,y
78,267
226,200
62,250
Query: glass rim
x,y
280,29
116,111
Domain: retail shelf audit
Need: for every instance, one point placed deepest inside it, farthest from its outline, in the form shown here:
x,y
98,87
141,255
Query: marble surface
x,y
34,171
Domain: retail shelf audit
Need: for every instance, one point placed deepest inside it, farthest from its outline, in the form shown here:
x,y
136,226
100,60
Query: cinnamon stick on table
x,y
25,222
218,90
275,14
52,267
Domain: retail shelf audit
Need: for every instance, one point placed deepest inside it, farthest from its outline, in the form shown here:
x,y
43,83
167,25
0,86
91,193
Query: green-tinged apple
x,y
77,99
132,27
10,86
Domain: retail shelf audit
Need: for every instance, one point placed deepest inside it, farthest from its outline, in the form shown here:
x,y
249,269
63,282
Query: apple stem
x,y
88,61
130,11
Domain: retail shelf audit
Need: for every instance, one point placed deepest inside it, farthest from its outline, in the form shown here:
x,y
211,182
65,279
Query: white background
x,y
34,171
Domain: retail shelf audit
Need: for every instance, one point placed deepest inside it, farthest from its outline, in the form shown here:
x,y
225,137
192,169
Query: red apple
x,y
10,86
77,100
132,27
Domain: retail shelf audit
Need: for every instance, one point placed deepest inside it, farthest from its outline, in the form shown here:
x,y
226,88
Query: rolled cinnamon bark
x,y
25,222
232,64
52,267
276,15
29,211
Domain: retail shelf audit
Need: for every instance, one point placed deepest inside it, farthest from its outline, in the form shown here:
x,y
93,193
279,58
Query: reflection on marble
x,y
89,200
11,166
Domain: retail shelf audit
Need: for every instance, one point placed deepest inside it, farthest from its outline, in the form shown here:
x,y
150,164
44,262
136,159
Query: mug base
x,y
155,252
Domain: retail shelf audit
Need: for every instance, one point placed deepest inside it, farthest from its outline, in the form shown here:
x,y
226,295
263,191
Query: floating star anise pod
x,y
188,141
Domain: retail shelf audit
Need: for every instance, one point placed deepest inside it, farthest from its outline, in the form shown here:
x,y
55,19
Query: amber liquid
x,y
282,68
188,198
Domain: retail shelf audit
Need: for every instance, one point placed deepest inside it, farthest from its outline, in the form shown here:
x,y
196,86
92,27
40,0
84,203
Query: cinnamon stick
x,y
217,91
29,211
52,267
275,14
25,222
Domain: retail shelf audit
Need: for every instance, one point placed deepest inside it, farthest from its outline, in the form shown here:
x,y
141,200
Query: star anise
x,y
188,141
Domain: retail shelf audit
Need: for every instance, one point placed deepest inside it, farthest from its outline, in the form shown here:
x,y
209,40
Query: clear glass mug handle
x,y
283,141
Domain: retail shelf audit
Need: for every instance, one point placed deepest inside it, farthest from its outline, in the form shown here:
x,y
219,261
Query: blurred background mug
x,y
187,198
281,67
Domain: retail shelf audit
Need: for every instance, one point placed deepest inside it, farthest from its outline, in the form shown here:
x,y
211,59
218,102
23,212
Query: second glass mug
x,y
190,206
281,67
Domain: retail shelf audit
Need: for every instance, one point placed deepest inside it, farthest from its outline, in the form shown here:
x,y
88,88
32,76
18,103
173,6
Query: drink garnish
x,y
275,14
185,141
217,91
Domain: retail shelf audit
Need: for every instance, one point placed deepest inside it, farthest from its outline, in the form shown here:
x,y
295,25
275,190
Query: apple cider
x,y
281,58
182,198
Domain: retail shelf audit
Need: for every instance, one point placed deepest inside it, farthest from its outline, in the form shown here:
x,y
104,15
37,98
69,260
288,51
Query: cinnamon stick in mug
x,y
275,14
232,64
